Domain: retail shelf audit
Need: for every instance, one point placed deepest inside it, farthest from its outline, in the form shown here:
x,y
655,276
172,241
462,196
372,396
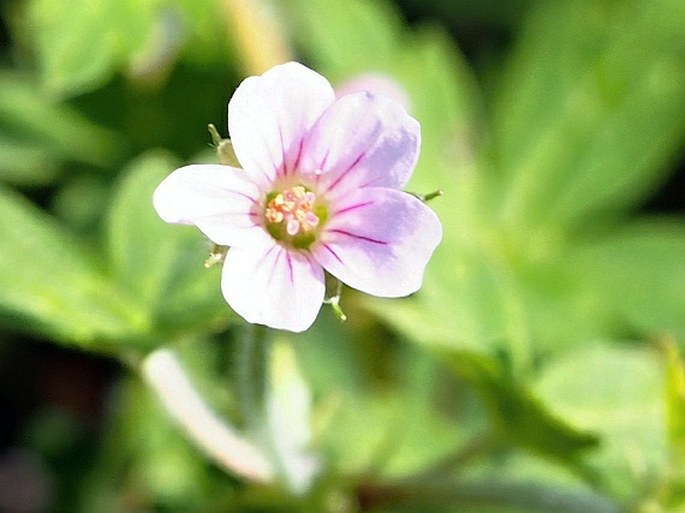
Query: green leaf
x,y
51,283
81,44
37,134
342,362
590,112
25,164
159,263
386,440
288,405
467,302
515,412
143,453
638,275
675,401
618,393
358,36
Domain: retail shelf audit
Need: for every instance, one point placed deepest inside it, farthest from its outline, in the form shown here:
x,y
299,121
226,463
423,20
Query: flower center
x,y
293,215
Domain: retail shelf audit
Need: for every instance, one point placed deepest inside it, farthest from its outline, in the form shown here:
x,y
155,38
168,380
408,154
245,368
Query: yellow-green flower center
x,y
293,216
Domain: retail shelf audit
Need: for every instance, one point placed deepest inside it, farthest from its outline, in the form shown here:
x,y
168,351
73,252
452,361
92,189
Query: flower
x,y
319,190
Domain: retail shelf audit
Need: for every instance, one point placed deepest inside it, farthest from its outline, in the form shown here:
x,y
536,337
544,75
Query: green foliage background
x,y
537,370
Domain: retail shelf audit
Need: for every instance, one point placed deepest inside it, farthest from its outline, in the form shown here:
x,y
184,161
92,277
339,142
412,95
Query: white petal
x,y
269,115
219,200
278,288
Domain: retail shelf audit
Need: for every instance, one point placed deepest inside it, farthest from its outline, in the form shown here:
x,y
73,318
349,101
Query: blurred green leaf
x,y
158,263
37,134
637,274
363,391
443,411
78,202
618,393
51,283
387,441
590,112
358,36
675,402
288,404
143,455
516,413
25,164
82,43
487,496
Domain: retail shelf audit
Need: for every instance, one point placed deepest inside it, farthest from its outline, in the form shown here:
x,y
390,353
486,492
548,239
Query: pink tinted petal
x,y
276,287
269,115
363,140
379,241
219,200
377,83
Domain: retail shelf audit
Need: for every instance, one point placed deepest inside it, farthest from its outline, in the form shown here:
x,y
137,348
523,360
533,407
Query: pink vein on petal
x,y
275,168
290,268
265,256
299,154
274,266
330,250
345,173
351,208
371,183
246,196
359,237
322,165
284,162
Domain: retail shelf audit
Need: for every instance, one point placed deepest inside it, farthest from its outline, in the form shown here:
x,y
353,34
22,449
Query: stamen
x,y
291,216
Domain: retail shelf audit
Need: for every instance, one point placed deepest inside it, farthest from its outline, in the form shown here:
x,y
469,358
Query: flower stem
x,y
333,293
251,372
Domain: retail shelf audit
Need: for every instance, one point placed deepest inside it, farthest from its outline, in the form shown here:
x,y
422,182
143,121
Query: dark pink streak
x,y
351,208
291,273
243,195
330,250
324,160
345,173
358,237
284,160
299,154
273,268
